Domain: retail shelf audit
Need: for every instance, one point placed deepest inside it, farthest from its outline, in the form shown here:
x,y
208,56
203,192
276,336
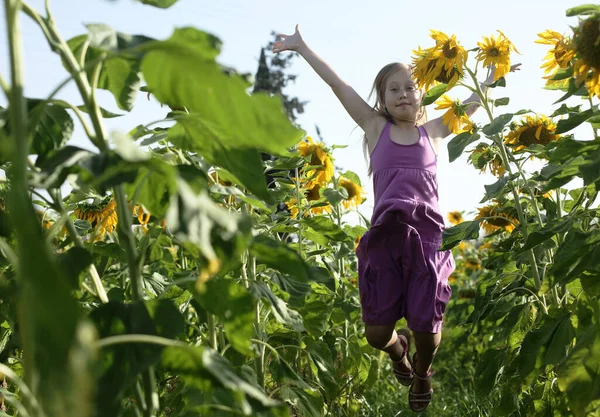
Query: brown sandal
x,y
405,378
419,402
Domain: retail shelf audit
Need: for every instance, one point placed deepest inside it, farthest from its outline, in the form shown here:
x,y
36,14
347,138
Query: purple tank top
x,y
405,178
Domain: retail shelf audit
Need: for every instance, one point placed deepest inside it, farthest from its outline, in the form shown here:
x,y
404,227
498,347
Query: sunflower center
x,y
494,52
528,137
450,52
587,40
445,77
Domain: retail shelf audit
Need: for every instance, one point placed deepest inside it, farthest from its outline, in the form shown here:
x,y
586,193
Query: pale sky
x,y
355,37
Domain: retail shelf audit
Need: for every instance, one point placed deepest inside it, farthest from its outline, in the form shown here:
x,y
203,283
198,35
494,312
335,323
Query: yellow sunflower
x,y
586,39
455,217
454,55
356,193
559,57
496,51
442,63
292,206
472,264
531,130
103,217
318,157
493,218
455,117
314,194
142,215
485,157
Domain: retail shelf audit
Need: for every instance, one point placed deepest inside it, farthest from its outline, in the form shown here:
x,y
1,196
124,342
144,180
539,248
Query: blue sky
x,y
354,37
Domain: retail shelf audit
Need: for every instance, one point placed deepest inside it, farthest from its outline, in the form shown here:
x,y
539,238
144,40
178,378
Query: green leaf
x,y
308,402
464,231
282,313
458,144
574,120
74,261
278,256
584,9
497,125
334,196
105,38
496,189
284,374
122,364
535,346
161,4
327,227
434,93
234,305
155,184
58,165
222,109
502,101
500,82
244,163
205,368
579,374
489,365
572,90
550,229
352,176
119,73
564,109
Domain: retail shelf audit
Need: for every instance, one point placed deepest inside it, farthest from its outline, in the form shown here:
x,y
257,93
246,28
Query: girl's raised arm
x,y
357,108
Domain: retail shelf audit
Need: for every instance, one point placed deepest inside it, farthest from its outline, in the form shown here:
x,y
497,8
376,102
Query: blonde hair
x,y
379,107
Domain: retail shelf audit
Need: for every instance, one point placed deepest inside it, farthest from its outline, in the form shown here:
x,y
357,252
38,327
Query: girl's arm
x,y
356,107
436,129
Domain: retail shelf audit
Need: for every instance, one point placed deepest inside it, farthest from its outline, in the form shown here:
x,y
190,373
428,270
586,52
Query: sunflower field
x,y
175,271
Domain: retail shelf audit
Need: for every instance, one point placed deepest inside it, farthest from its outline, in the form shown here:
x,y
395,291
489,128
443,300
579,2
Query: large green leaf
x,y
199,366
551,228
278,256
308,402
122,364
182,71
497,188
280,309
244,163
490,364
154,186
497,125
119,74
434,93
458,144
464,231
327,227
575,120
234,305
579,374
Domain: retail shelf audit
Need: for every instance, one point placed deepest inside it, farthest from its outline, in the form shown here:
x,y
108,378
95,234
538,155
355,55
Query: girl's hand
x,y
515,67
288,42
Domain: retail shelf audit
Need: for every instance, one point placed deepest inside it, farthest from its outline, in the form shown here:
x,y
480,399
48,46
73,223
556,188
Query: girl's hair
x,y
379,88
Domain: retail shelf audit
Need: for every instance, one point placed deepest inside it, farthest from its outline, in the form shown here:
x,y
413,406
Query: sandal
x,y
405,378
419,402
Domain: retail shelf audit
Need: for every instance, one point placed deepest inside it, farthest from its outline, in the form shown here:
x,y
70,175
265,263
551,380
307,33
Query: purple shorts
x,y
402,276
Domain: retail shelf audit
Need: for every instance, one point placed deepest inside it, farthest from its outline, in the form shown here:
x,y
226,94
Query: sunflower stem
x,y
504,154
592,106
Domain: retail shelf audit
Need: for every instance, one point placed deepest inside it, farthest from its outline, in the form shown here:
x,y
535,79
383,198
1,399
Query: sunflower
x,y
472,264
442,63
314,194
318,157
292,206
142,215
532,130
454,55
586,68
103,217
455,117
559,57
493,218
219,180
496,51
455,217
356,193
487,157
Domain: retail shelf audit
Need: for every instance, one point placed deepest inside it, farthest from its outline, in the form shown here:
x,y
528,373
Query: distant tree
x,y
272,77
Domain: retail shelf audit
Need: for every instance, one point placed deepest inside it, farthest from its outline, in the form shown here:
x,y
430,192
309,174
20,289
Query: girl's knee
x,y
379,336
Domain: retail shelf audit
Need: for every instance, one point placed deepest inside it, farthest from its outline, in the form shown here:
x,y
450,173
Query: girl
x,y
401,271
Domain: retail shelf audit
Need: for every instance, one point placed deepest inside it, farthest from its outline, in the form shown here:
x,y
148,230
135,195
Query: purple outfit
x,y
401,273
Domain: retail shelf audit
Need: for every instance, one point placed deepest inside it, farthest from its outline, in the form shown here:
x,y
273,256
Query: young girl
x,y
401,271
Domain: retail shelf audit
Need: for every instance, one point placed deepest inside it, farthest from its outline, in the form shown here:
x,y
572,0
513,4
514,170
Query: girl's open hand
x,y
515,67
288,42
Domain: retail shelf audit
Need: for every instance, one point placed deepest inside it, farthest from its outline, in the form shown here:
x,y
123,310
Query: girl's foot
x,y
421,392
403,370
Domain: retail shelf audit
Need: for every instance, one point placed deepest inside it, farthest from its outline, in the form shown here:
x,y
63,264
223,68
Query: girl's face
x,y
402,98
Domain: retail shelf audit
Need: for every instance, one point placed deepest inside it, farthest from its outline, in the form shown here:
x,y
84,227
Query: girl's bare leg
x,y
426,345
384,337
